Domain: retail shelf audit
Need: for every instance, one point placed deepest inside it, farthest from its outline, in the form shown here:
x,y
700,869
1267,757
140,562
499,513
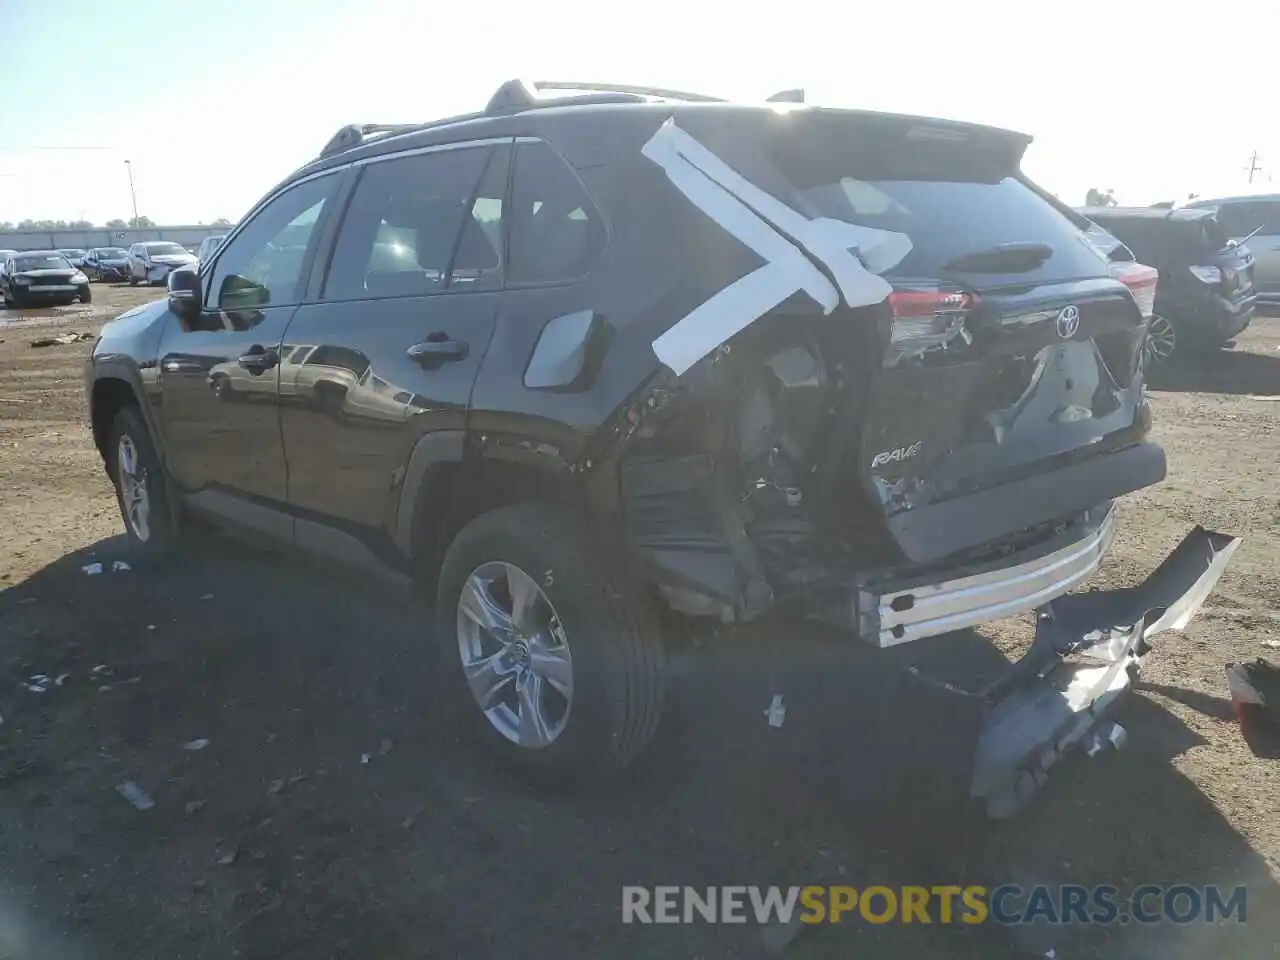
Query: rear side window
x,y
556,233
422,224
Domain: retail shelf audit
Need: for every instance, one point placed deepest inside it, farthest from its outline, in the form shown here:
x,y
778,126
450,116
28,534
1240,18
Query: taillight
x,y
1207,274
1141,281
925,320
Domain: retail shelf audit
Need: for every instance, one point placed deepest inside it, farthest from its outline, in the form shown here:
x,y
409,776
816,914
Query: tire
x,y
157,535
8,302
133,281
87,296
608,630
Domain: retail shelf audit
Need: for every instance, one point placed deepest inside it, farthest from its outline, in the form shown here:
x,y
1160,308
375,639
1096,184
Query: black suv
x,y
1205,295
566,359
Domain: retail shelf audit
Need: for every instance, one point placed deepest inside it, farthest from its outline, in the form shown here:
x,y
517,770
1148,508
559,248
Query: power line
x,y
11,146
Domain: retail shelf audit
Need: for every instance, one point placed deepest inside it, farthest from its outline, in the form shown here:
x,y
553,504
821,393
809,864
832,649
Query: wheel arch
x,y
450,481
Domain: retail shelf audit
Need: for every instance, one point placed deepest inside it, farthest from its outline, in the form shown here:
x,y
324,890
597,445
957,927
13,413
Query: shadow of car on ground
x,y
338,812
1220,371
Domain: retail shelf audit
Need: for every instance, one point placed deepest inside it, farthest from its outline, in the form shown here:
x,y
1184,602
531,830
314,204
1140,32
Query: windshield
x,y
110,253
164,249
73,253
47,261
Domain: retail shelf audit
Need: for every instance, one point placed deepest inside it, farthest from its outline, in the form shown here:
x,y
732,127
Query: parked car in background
x,y
151,261
42,277
1254,221
631,348
207,246
4,256
75,256
1205,295
107,263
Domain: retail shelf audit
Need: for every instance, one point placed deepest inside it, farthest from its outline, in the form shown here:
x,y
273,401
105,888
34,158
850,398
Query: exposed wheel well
x,y
454,494
110,395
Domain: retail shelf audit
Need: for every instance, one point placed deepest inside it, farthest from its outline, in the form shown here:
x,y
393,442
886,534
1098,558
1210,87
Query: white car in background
x,y
208,245
153,260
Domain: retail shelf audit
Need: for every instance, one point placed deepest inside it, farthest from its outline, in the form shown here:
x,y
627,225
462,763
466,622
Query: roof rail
x,y
787,96
662,92
354,134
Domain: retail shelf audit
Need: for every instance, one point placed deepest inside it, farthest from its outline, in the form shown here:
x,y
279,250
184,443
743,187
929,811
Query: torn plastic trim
x,y
789,242
926,609
1046,704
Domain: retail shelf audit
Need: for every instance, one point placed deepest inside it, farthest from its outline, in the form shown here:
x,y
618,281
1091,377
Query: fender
x,y
122,367
431,450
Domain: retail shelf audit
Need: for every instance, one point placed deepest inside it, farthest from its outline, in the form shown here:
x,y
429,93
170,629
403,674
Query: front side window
x,y
262,265
422,224
556,233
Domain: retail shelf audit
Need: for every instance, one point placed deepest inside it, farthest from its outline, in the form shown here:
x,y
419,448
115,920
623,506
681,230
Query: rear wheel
x,y
551,657
139,480
1161,343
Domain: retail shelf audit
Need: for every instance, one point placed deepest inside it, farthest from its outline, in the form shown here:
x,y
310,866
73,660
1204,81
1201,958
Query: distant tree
x,y
1100,198
141,222
6,225
80,224
221,222
116,224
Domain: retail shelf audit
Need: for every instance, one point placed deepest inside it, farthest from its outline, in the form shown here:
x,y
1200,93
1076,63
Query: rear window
x,y
954,191
948,219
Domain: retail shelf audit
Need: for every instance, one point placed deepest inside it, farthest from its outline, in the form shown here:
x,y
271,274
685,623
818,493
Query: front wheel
x,y
86,296
140,486
1161,343
550,655
133,281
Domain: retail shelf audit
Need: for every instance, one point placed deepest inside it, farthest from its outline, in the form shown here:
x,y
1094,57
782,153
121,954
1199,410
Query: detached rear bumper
x,y
1087,652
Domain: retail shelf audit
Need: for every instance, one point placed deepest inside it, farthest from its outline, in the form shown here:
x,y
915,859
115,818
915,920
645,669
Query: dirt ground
x,y
333,813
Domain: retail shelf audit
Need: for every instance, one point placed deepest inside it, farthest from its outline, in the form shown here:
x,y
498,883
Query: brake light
x,y
925,320
1207,274
1141,281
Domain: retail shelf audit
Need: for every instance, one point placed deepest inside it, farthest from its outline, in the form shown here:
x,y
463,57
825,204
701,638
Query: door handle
x,y
438,349
258,359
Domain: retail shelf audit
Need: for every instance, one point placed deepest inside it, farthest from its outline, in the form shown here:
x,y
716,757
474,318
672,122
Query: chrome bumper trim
x,y
929,609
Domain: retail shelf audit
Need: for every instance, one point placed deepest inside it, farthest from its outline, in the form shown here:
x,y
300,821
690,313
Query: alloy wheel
x,y
515,655
1161,341
133,488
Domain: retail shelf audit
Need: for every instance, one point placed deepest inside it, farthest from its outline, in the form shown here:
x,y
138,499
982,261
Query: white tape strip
x,y
771,229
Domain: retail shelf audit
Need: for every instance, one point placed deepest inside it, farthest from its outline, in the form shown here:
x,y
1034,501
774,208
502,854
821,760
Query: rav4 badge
x,y
895,456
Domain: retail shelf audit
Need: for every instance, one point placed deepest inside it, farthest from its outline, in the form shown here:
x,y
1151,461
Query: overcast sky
x,y
216,101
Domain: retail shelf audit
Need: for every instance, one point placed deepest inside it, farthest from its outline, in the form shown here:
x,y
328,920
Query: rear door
x,y
1239,219
391,350
219,374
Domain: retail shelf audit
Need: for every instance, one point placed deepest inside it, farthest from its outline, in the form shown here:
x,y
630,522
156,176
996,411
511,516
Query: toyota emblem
x,y
1068,321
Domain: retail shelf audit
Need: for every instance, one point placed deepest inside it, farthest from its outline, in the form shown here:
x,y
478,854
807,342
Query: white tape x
x,y
775,232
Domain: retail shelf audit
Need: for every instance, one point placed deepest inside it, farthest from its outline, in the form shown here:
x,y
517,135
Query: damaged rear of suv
x,y
738,359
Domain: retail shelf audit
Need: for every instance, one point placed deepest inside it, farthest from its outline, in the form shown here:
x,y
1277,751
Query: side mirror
x,y
184,292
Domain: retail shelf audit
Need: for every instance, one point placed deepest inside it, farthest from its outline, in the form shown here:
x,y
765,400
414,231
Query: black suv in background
x,y
42,278
562,359
1205,295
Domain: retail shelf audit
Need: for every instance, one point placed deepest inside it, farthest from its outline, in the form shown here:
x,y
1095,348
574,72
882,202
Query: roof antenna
x,y
788,96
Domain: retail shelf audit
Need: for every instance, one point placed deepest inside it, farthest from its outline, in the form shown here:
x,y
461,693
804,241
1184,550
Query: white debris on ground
x,y
135,795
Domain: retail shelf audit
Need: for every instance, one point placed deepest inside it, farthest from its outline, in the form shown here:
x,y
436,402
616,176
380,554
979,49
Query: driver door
x,y
219,374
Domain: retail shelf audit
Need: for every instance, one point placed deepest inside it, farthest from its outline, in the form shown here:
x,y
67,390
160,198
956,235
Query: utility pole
x,y
1253,166
128,164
